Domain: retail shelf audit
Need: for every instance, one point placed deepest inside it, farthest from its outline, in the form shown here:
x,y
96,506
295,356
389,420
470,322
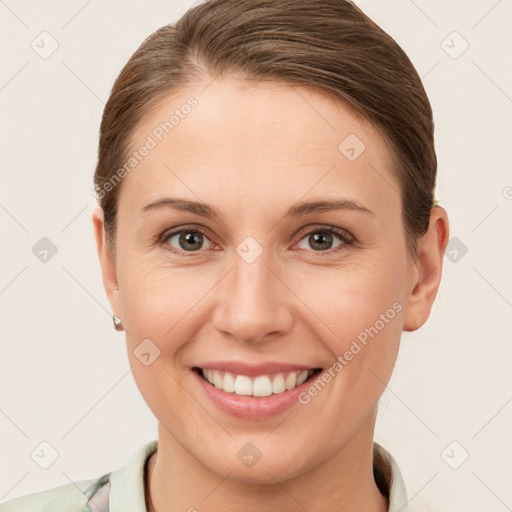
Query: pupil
x,y
190,238
317,239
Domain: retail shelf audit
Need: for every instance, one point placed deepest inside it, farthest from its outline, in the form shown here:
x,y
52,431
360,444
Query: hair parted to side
x,y
330,45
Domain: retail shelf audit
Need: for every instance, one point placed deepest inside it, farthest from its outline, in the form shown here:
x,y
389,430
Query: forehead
x,y
257,141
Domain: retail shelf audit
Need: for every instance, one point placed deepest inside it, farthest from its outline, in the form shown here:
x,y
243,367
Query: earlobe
x,y
431,248
107,261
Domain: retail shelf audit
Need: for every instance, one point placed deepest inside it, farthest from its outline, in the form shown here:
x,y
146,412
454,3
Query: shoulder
x,y
123,487
72,497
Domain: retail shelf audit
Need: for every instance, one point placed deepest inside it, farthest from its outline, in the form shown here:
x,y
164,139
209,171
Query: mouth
x,y
256,386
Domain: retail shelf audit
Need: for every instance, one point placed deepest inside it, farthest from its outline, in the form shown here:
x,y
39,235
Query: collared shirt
x,y
122,490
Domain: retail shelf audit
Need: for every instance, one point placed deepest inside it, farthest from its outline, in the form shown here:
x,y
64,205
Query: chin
x,y
272,466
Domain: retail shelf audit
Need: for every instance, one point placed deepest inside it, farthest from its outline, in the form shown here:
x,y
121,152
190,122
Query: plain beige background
x,y
64,373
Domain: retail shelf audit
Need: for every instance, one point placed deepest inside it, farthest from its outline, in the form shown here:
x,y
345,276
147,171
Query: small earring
x,y
117,323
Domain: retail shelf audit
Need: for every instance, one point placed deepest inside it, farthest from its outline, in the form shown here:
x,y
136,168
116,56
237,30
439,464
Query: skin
x,y
253,150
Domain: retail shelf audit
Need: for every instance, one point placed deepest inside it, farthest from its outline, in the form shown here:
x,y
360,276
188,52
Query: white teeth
x,y
229,382
218,380
278,384
291,380
262,385
302,377
243,384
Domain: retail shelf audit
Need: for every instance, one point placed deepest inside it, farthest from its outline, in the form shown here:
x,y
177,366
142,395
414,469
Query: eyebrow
x,y
296,210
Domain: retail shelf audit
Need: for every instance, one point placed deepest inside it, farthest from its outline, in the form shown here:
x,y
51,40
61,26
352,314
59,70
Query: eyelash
x,y
343,235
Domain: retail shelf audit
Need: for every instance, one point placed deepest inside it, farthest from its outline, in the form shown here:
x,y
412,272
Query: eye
x,y
322,240
184,240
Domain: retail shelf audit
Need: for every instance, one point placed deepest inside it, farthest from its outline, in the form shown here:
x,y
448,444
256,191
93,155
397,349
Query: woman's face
x,y
261,281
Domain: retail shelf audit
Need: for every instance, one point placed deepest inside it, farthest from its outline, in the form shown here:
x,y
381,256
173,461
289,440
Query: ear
x,y
427,274
107,262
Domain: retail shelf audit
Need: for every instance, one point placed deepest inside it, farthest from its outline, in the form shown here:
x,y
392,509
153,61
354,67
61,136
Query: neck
x,y
176,481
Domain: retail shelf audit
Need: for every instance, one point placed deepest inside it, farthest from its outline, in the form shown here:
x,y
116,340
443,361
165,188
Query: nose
x,y
253,304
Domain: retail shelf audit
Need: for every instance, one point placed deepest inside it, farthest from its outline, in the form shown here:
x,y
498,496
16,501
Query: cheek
x,y
160,304
157,299
358,312
354,296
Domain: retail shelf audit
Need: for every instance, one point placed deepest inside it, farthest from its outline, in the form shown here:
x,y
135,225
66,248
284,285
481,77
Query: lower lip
x,y
250,407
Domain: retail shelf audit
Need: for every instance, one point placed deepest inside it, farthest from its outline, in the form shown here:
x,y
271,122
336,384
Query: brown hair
x,y
327,44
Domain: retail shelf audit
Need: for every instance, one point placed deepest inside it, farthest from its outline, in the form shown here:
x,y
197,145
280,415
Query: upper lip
x,y
253,370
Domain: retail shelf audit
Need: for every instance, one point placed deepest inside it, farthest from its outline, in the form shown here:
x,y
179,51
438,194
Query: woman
x,y
266,229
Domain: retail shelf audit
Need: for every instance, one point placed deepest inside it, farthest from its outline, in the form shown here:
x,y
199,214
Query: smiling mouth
x,y
260,386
